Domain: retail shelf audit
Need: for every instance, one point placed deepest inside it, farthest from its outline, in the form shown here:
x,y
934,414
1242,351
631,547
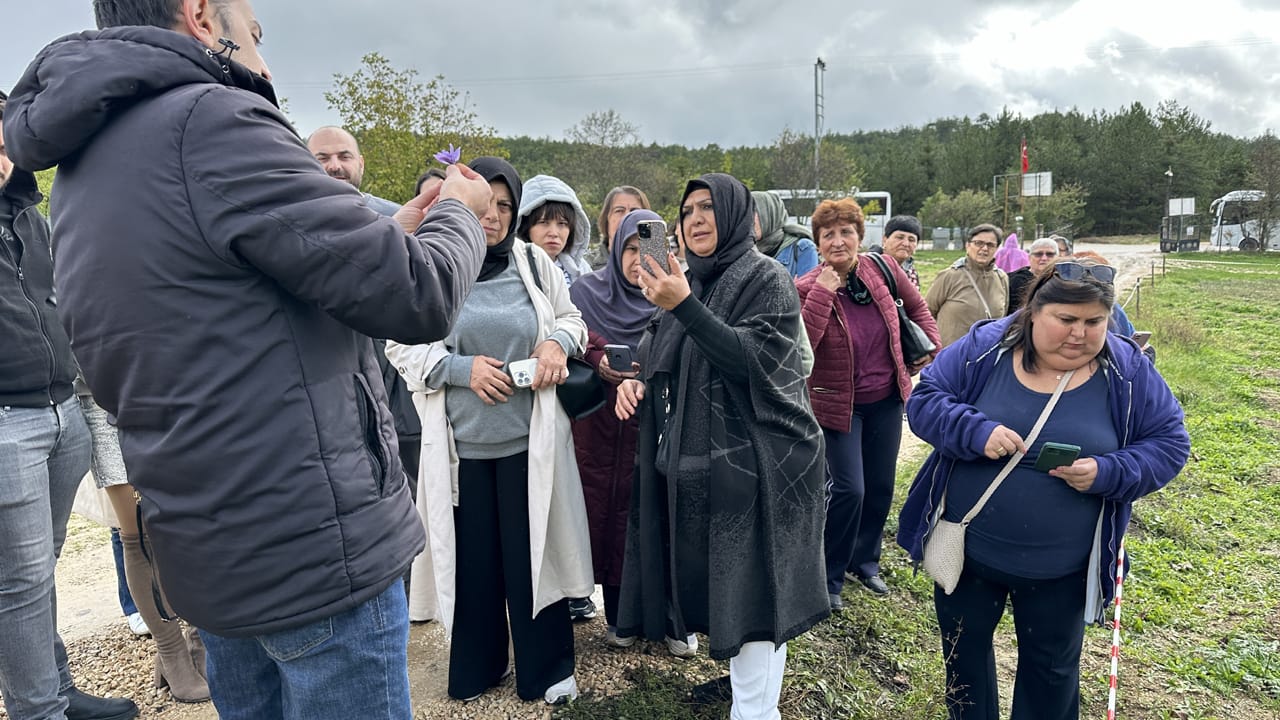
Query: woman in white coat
x,y
498,484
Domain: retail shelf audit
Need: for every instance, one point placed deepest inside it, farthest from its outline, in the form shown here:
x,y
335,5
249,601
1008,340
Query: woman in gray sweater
x,y
498,486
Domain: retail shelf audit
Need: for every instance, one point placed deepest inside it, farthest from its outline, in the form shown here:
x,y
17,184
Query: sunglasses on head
x,y
1076,272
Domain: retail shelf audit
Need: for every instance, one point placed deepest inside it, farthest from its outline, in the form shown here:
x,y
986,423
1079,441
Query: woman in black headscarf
x,y
498,486
727,505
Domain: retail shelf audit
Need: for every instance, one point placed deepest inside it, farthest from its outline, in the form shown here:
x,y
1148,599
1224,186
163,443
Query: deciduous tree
x,y
401,122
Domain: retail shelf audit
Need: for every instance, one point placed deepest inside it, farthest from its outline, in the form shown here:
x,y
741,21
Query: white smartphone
x,y
522,371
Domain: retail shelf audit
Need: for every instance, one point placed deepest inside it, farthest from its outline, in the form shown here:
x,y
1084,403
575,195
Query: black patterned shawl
x,y
729,542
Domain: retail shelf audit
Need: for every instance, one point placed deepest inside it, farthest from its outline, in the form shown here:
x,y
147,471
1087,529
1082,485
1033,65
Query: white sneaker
x,y
683,648
612,640
562,692
137,625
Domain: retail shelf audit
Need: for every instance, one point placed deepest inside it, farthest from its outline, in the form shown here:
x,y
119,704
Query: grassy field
x,y
1202,605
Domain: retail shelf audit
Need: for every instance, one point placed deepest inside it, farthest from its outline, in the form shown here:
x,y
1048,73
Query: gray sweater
x,y
497,320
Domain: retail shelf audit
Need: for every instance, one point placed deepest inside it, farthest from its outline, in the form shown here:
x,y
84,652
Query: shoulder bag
x,y
582,392
916,345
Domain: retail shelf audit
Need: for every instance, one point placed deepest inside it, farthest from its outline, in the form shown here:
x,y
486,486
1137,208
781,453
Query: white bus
x,y
877,208
1235,222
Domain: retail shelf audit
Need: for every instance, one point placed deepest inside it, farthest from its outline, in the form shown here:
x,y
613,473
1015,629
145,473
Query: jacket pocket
x,y
368,410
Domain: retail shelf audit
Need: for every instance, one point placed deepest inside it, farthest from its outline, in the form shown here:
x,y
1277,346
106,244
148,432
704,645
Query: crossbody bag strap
x,y
887,273
1013,461
974,284
533,268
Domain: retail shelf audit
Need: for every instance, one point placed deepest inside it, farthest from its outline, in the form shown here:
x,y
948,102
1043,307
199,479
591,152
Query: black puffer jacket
x,y
218,289
36,368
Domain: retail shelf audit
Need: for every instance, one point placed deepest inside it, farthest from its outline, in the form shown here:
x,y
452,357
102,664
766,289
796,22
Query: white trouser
x,y
756,675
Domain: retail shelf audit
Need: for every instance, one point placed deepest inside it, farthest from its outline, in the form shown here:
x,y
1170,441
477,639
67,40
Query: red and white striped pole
x,y
1115,635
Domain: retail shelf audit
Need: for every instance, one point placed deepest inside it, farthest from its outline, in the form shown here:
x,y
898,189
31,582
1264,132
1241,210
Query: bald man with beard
x,y
339,154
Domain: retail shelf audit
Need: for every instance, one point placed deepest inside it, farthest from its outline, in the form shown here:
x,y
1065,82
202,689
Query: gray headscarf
x,y
775,232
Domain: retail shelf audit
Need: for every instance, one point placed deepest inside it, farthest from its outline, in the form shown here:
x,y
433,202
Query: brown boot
x,y
175,668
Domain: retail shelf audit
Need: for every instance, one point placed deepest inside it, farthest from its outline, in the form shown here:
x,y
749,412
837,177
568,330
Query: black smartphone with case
x,y
620,357
653,243
1053,455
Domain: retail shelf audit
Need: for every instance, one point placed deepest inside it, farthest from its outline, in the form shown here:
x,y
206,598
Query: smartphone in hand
x,y
620,357
522,371
1054,455
653,243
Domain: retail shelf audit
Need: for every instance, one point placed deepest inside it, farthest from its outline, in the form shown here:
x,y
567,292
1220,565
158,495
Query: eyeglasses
x,y
1044,253
1077,272
987,245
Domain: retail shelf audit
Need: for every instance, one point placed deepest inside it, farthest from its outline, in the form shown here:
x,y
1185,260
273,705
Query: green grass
x,y
1202,606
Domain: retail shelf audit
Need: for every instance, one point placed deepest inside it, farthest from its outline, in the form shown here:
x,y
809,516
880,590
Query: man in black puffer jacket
x,y
217,287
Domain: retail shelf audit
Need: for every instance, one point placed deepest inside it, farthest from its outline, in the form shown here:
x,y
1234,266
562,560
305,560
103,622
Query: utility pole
x,y
819,108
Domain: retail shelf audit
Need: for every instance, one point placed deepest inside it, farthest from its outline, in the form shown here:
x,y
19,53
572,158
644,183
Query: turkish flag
x,y
1026,161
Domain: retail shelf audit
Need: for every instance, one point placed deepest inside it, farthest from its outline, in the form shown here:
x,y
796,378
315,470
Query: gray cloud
x,y
711,71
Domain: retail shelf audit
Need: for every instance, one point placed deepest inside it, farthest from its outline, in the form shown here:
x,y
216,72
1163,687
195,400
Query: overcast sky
x,y
738,71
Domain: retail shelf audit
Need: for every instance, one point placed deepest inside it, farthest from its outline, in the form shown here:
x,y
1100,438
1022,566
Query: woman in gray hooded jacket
x,y
551,217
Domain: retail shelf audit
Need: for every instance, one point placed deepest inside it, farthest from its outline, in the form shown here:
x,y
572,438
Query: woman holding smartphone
x,y
1045,539
726,506
497,485
616,313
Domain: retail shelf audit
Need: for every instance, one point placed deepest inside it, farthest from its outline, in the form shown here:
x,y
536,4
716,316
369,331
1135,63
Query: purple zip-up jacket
x,y
1154,444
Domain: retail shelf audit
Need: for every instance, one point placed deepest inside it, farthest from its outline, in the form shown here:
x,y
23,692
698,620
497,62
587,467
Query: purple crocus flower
x,y
450,156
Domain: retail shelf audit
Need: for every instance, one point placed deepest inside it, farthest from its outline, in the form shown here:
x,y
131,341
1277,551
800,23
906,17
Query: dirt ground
x,y
91,623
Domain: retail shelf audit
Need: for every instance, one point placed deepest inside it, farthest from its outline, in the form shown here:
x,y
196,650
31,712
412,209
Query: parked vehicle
x,y
1240,221
877,208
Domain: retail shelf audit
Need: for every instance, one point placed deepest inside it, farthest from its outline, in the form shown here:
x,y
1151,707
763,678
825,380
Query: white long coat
x,y
560,547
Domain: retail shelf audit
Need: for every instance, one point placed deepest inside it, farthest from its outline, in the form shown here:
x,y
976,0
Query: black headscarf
x,y
735,214
494,168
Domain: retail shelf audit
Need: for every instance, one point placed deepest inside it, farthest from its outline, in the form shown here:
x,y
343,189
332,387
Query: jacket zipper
x,y
44,333
848,337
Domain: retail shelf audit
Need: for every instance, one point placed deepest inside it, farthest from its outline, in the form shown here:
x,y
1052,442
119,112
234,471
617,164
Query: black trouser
x,y
861,469
491,527
611,598
1048,616
410,452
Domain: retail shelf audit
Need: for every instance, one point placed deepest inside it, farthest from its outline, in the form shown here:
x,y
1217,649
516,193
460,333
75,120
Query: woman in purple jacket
x,y
1047,540
857,388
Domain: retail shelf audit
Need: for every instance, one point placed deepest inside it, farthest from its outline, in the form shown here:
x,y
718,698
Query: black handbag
x,y
916,345
582,392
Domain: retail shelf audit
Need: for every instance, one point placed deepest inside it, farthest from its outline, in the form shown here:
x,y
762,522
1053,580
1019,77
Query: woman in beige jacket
x,y
972,289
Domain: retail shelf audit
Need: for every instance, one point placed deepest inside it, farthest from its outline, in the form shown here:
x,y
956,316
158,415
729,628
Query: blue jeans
x,y
354,664
44,453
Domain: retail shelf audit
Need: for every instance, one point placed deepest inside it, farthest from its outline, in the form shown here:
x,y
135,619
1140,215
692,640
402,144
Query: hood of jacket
x,y
542,189
81,82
